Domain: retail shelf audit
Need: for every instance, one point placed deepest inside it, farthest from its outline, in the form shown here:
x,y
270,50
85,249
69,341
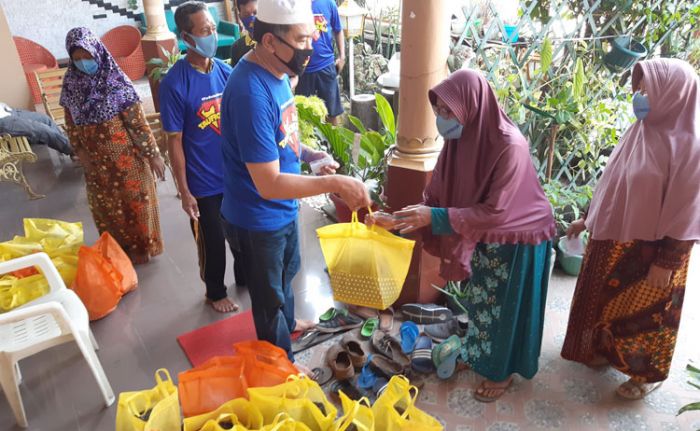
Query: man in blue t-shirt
x,y
263,154
190,101
321,75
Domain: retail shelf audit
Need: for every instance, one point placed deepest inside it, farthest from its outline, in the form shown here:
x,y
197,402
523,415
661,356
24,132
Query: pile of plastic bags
x,y
234,393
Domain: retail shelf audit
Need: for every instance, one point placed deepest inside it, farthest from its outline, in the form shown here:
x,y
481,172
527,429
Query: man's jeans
x,y
38,128
271,260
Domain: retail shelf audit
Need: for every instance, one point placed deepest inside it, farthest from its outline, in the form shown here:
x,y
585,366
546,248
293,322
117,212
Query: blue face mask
x,y
449,129
88,66
205,45
640,105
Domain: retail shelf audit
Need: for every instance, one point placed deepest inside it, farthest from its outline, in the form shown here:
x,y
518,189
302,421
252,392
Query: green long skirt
x,y
505,304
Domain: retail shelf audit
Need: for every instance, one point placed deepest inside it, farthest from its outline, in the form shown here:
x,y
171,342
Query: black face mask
x,y
299,60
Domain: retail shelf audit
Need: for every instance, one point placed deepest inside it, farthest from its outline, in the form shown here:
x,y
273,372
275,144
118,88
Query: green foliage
x,y
694,373
133,4
162,66
362,154
568,202
306,129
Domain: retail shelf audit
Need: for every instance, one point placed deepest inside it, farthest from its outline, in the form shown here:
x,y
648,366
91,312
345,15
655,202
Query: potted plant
x,y
362,155
624,52
457,296
159,67
694,381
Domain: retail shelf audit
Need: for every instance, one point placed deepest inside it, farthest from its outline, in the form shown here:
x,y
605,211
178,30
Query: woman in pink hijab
x,y
485,215
643,221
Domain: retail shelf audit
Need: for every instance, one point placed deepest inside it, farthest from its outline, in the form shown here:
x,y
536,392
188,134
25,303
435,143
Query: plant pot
x,y
343,213
624,53
511,34
570,261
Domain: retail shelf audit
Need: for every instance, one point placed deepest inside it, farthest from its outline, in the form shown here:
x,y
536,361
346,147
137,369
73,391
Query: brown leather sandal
x,y
339,361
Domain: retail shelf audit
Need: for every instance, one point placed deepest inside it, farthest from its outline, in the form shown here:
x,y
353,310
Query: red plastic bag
x,y
204,388
113,252
265,363
97,283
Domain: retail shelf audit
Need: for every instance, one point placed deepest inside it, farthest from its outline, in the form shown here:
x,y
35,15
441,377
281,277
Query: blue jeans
x,y
38,128
271,260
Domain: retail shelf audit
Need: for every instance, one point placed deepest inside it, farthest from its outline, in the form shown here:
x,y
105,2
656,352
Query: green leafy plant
x,y
163,66
568,202
694,373
317,107
457,291
362,154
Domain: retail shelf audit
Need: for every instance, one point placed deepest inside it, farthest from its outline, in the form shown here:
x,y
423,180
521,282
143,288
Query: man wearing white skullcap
x,y
262,156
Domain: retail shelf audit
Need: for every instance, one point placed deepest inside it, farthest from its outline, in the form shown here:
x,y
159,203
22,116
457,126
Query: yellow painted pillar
x,y
425,33
157,36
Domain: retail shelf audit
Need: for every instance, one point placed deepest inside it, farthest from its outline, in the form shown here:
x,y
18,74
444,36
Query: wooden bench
x,y
14,151
50,85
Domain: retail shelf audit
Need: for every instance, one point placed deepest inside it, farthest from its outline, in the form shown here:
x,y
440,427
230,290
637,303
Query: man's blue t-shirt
x,y
260,125
327,22
190,102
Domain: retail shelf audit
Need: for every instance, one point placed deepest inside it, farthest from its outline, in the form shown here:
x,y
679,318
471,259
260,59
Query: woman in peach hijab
x,y
643,221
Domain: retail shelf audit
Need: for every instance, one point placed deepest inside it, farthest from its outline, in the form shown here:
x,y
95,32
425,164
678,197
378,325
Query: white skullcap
x,y
285,11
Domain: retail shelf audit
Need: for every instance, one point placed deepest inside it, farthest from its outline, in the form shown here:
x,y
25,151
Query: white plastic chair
x,y
53,319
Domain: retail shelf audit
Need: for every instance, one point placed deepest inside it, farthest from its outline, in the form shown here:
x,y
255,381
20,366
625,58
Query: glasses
x,y
442,111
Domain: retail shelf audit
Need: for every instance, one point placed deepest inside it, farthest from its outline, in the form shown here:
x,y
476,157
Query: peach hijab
x,y
650,188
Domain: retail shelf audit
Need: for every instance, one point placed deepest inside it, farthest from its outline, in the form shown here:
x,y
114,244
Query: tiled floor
x,y
139,337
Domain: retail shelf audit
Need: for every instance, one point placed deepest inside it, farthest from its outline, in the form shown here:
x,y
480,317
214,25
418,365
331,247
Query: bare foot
x,y
635,390
490,391
223,305
303,325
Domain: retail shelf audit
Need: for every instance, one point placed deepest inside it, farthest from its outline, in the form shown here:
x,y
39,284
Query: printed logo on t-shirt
x,y
290,126
210,113
321,25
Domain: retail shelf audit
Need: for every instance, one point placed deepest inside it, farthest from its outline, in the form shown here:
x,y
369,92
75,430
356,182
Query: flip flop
x,y
631,390
445,356
309,339
327,315
369,327
321,375
421,359
367,378
409,333
486,399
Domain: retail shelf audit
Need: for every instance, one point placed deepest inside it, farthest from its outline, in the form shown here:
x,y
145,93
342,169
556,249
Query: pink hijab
x,y
650,187
486,179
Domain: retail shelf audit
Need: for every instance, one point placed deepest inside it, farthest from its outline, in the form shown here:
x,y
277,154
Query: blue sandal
x,y
445,356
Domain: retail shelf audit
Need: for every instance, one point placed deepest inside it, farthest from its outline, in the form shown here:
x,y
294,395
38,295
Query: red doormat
x,y
216,339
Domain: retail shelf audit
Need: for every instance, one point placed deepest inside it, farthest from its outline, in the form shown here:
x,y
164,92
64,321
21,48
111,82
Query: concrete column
x,y
157,35
425,27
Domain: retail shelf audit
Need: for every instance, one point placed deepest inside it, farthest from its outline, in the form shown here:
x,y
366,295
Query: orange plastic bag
x,y
203,389
112,251
97,283
265,363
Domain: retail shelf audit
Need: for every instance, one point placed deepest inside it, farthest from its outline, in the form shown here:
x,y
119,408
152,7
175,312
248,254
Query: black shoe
x,y
426,313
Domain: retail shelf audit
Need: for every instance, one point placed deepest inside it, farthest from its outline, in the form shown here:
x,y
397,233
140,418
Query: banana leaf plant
x,y
694,381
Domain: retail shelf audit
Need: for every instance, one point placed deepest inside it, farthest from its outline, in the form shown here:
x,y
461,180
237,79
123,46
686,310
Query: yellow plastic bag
x,y
300,397
239,412
56,236
154,409
367,265
395,409
16,291
283,422
59,239
358,413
